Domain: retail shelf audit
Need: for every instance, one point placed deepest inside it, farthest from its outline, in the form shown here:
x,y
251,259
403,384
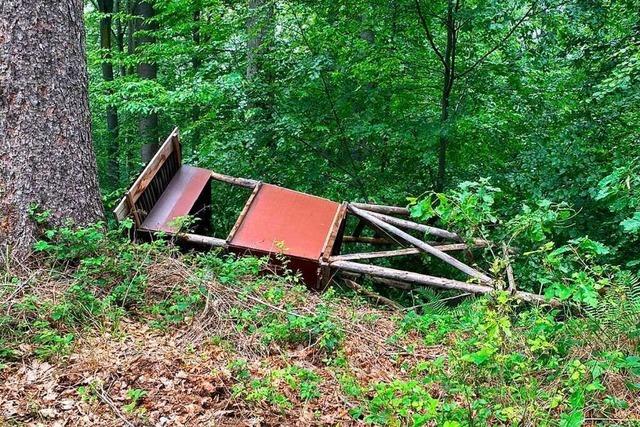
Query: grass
x,y
129,332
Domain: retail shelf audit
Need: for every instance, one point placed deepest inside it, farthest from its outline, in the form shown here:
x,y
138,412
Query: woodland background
x,y
511,120
355,100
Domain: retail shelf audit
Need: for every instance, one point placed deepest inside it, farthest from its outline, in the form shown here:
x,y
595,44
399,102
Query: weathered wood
x,y
154,165
399,252
403,223
176,146
336,225
423,279
145,178
132,209
368,240
200,240
377,298
379,254
383,209
387,282
420,244
245,209
242,182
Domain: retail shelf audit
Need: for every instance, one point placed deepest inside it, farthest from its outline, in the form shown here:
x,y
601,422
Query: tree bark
x,y
445,99
260,28
113,151
46,155
148,123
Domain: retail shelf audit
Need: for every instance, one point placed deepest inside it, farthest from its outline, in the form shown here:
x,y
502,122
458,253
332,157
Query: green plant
x,y
135,395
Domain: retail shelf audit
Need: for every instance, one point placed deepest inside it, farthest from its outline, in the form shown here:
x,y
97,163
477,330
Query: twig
x,y
378,299
102,394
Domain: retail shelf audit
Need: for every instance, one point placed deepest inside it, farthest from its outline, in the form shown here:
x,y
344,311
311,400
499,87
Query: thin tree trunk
x,y
445,99
148,123
120,31
113,150
260,26
46,155
196,62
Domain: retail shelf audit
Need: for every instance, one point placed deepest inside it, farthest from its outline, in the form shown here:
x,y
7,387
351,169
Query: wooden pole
x,y
398,252
403,223
423,279
389,210
242,182
200,240
377,298
388,282
420,244
369,240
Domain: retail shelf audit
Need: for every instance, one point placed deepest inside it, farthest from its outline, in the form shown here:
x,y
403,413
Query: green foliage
x,y
468,209
135,396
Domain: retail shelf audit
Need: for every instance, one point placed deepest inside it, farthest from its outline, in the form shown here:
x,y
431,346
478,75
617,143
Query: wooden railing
x,y
154,179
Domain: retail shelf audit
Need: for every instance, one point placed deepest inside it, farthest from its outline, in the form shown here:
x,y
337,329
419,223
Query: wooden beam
x,y
201,240
421,245
245,209
377,298
336,225
389,210
368,240
399,252
380,254
403,223
388,282
241,182
423,279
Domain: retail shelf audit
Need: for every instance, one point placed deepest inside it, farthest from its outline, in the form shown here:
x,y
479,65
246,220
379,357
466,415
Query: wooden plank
x,y
420,244
245,209
153,167
133,210
175,140
337,223
242,182
423,279
122,210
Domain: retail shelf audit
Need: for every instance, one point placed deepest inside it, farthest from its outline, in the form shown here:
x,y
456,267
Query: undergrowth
x,y
477,361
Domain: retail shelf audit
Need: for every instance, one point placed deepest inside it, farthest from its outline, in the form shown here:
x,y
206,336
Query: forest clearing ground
x,y
106,332
191,383
186,370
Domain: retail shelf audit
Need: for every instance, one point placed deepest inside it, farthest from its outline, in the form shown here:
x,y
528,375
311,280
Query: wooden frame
x,y
127,204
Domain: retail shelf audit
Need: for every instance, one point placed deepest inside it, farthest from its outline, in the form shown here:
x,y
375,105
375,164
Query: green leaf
x,y
574,419
631,225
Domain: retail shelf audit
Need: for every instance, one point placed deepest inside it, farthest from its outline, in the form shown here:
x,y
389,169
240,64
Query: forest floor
x,y
137,335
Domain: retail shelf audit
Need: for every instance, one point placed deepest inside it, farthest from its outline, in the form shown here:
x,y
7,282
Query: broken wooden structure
x,y
308,230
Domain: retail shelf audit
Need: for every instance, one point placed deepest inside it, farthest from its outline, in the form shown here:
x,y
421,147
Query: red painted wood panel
x,y
300,222
178,199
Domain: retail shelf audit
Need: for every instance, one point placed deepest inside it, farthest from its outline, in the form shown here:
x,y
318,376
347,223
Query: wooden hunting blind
x,y
308,231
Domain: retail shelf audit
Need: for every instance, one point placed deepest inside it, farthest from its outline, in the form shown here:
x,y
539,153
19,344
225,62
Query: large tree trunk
x,y
113,152
46,154
148,123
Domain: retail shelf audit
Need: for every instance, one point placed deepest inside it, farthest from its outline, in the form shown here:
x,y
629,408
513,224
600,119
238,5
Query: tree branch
x,y
483,57
425,26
